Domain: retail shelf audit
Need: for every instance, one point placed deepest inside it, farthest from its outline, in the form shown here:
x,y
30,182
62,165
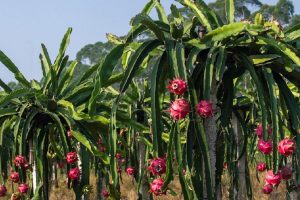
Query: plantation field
x,y
190,106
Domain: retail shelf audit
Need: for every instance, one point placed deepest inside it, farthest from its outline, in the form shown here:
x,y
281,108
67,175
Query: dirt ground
x,y
128,190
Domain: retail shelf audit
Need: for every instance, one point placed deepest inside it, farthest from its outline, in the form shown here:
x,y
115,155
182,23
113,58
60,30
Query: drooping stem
x,y
242,189
54,175
79,194
143,192
144,189
100,183
210,125
33,164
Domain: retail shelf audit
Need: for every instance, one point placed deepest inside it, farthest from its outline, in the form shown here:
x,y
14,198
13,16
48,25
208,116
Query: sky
x,y
27,24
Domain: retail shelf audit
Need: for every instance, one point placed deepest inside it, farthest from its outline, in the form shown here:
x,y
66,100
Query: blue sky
x,y
26,24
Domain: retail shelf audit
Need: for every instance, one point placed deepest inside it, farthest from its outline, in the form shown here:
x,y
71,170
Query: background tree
x,y
295,20
93,53
242,8
282,11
